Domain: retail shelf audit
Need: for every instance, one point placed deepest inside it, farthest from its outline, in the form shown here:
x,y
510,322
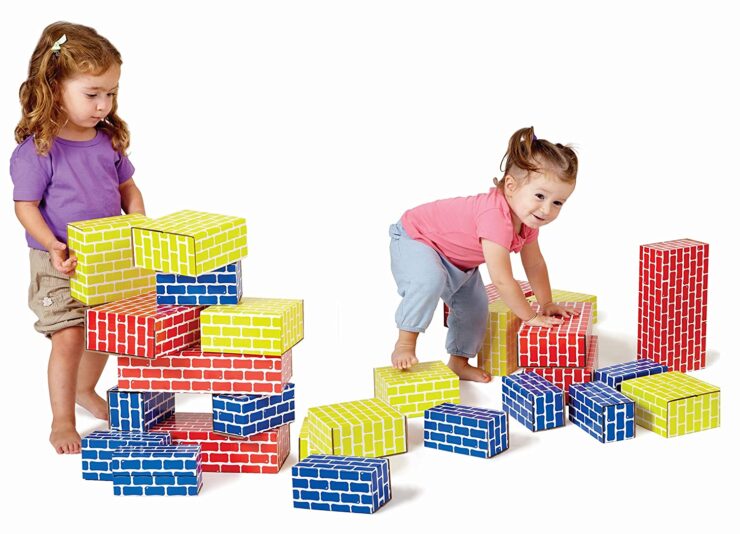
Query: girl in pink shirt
x,y
436,249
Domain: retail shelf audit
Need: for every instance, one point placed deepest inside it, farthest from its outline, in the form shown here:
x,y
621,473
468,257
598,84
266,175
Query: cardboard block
x,y
411,391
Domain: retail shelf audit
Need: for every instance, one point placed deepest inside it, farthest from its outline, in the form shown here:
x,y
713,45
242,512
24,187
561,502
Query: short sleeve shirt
x,y
454,227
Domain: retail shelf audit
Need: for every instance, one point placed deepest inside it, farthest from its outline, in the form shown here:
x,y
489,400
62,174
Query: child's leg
x,y
64,362
421,279
466,328
91,367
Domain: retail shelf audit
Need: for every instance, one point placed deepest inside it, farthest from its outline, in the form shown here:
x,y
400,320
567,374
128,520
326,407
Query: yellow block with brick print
x,y
498,355
254,326
414,390
105,269
189,242
672,404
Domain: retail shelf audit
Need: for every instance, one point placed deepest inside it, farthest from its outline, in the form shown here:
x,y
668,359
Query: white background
x,y
321,122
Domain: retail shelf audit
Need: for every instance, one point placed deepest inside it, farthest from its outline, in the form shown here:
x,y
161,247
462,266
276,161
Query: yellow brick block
x,y
97,245
286,314
189,242
424,382
672,404
499,354
559,295
368,428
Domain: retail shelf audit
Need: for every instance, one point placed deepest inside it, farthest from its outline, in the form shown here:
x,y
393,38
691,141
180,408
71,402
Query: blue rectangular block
x,y
614,375
157,470
98,447
474,431
369,487
138,411
246,415
602,411
220,286
533,401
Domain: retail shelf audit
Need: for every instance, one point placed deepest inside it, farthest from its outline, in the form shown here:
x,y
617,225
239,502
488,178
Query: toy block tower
x,y
412,391
672,307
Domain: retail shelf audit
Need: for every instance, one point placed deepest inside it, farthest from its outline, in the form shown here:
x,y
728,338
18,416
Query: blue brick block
x,y
466,430
220,286
97,449
355,485
614,375
138,411
246,415
533,401
602,411
157,470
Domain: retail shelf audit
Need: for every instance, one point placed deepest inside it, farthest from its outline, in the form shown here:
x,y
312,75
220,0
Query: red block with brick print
x,y
563,377
564,345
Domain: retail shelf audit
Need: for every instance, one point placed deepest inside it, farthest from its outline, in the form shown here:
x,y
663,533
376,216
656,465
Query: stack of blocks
x,y
533,401
244,360
412,391
466,430
564,354
602,411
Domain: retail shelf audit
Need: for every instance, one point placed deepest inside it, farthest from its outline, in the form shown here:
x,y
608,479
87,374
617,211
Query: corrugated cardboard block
x,y
602,411
561,295
533,401
246,415
411,391
138,410
220,286
466,430
98,447
161,470
564,345
614,375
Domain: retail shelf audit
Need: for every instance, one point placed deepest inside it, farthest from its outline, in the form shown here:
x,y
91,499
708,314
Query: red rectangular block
x,y
192,369
564,345
492,293
563,377
260,453
137,326
672,304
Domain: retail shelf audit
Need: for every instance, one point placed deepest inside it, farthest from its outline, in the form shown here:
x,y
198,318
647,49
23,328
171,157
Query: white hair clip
x,y
57,46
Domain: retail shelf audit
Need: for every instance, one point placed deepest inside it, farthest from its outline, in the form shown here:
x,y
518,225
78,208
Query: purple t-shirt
x,y
75,181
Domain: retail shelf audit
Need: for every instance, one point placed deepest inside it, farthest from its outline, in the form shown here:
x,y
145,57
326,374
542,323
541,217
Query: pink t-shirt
x,y
455,226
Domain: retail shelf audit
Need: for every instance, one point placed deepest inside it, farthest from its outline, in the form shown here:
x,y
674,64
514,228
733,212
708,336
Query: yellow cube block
x,y
414,390
189,242
103,251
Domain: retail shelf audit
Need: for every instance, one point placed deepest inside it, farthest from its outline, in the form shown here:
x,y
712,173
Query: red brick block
x,y
137,326
260,453
672,307
565,345
563,377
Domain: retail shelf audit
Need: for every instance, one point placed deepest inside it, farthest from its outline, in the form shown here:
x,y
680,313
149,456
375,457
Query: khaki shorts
x,y
49,296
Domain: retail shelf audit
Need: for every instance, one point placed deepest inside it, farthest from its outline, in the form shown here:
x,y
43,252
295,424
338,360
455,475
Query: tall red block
x,y
672,316
564,345
138,327
260,453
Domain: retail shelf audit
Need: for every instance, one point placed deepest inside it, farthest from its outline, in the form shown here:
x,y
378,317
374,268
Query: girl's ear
x,y
510,183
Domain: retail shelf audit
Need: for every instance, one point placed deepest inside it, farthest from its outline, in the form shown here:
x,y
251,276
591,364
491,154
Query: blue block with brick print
x,y
158,470
138,410
614,375
533,401
220,286
246,415
466,430
602,411
97,449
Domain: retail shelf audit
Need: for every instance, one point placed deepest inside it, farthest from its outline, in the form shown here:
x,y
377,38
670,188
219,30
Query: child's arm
x,y
536,269
132,200
499,268
30,217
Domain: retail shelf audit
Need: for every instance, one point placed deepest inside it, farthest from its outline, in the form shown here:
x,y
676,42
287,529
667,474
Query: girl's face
x,y
537,201
87,99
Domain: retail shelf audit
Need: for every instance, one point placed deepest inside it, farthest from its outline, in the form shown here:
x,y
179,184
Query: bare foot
x,y
65,439
404,356
93,403
461,367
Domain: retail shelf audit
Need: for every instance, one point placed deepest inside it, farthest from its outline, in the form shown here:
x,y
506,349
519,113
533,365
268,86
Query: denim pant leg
x,y
421,279
468,317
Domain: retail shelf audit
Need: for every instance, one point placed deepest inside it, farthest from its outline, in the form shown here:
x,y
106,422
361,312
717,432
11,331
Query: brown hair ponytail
x,y
526,153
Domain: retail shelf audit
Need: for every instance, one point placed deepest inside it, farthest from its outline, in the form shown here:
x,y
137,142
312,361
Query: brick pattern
x,y
412,391
254,326
105,269
533,401
368,428
561,295
672,404
672,307
564,345
157,470
194,371
246,415
261,453
466,430
341,483
138,411
602,411
189,242
304,440
220,286
97,449
138,327
563,377
614,375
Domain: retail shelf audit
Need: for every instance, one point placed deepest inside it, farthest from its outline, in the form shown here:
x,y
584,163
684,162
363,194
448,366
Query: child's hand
x,y
555,309
60,258
543,320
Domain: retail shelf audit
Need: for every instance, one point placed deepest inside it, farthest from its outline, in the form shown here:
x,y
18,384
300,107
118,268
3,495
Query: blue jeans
x,y
424,276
